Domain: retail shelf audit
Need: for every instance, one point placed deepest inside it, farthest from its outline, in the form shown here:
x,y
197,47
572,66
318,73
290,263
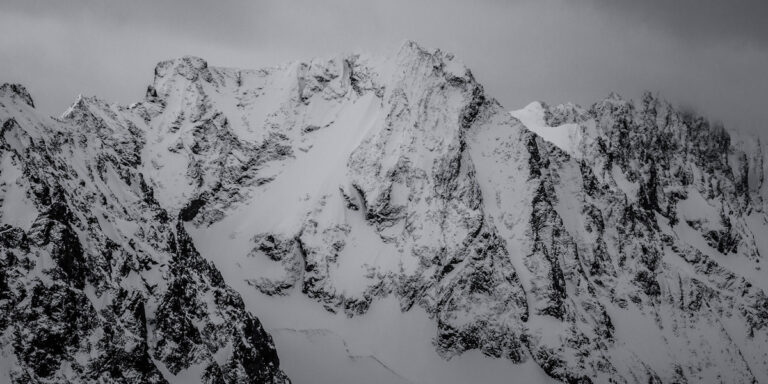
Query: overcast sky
x,y
708,54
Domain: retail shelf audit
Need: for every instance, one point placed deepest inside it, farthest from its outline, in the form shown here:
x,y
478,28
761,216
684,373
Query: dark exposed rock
x,y
16,91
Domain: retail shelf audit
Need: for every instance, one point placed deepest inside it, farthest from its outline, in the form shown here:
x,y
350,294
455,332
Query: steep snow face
x,y
389,222
574,135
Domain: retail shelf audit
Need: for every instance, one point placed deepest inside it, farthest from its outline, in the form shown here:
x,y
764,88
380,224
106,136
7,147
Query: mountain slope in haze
x,y
385,216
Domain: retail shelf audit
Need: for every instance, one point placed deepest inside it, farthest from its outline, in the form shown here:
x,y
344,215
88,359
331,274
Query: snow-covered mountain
x,y
387,221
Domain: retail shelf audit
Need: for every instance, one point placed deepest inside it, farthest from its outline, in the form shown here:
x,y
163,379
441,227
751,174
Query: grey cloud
x,y
742,21
704,53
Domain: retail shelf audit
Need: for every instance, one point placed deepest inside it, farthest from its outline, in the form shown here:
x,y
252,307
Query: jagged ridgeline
x,y
622,242
99,282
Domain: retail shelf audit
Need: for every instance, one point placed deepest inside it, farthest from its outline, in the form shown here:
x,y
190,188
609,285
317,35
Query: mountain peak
x,y
412,53
185,69
81,105
16,91
615,98
410,48
188,67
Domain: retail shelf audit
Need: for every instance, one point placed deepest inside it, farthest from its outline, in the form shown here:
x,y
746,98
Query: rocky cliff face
x,y
100,283
621,242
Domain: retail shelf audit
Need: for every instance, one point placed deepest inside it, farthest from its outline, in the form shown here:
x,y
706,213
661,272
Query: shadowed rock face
x,y
626,246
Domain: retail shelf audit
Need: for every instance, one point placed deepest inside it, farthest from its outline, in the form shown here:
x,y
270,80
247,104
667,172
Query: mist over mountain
x,y
708,54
